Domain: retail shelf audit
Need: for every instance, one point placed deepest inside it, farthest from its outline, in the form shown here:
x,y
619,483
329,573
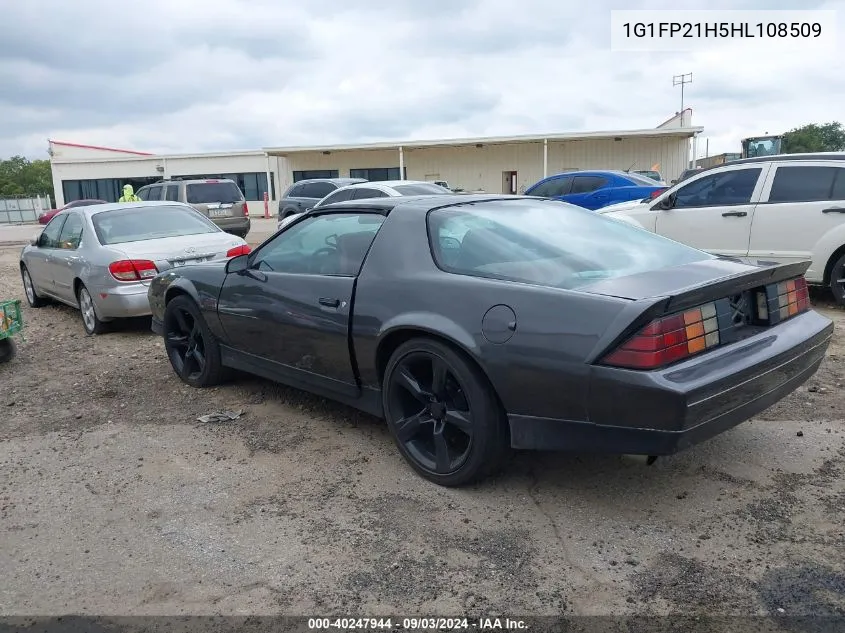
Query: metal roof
x,y
685,132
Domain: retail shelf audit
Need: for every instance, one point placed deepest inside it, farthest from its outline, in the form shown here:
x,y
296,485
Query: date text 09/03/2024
x,y
416,624
705,30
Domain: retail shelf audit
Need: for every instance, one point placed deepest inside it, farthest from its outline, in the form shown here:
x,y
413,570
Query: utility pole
x,y
680,80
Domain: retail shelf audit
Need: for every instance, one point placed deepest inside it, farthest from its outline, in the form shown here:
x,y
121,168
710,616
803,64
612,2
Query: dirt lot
x,y
115,500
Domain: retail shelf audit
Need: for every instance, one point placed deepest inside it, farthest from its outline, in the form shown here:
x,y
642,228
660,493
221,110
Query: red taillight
x,y
238,250
668,340
656,193
246,209
133,269
788,298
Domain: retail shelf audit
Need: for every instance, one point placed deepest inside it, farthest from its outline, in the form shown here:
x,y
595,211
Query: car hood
x,y
623,206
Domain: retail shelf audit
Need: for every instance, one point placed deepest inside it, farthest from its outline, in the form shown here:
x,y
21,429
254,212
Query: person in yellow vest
x,y
129,195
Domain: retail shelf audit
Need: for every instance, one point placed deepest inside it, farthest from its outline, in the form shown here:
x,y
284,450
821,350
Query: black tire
x,y
837,280
90,319
8,349
464,419
32,297
192,348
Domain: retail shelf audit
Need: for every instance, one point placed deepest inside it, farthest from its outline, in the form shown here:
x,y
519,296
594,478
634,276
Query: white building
x,y
494,164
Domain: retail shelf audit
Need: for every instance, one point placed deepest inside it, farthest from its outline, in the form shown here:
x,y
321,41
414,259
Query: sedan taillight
x,y
133,269
238,250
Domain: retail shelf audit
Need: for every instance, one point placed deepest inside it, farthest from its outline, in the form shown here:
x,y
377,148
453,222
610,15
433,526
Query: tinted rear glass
x,y
641,180
547,243
213,192
420,189
150,223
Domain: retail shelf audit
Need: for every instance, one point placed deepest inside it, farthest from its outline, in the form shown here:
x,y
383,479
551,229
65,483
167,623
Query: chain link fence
x,y
20,210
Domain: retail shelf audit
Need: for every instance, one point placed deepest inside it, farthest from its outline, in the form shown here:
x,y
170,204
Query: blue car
x,y
596,189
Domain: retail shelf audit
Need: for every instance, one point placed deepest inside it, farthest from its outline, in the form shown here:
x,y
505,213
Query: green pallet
x,y
11,318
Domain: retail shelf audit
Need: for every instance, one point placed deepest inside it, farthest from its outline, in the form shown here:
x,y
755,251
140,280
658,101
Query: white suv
x,y
784,208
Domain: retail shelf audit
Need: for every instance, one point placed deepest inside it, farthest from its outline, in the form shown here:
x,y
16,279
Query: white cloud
x,y
204,75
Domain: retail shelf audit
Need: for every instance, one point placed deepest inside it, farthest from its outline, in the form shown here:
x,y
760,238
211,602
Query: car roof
x,y
335,181
422,203
591,172
117,206
777,158
188,181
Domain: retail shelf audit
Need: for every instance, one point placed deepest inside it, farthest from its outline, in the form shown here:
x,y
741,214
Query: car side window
x,y
317,190
332,244
802,184
365,192
554,187
71,234
143,193
338,196
50,235
587,184
154,193
839,185
172,193
725,188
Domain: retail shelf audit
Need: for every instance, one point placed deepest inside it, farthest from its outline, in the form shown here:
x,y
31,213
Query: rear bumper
x,y
120,302
233,225
662,412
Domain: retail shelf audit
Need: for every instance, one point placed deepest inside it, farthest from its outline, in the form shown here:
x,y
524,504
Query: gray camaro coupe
x,y
101,258
475,324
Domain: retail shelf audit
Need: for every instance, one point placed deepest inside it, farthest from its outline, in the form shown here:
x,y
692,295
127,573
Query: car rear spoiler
x,y
734,284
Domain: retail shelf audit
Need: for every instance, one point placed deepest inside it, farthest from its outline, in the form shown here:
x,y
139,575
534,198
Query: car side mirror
x,y
237,264
667,203
35,239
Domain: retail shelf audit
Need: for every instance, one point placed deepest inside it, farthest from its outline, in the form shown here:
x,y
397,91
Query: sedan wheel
x,y
29,289
90,321
443,414
837,280
191,347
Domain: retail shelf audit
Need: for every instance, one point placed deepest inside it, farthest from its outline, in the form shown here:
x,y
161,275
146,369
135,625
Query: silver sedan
x,y
100,259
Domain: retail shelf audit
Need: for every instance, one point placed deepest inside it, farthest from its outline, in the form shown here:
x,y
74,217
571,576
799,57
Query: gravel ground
x,y
115,500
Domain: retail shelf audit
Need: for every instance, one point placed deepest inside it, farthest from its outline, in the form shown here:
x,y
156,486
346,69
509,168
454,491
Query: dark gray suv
x,y
304,194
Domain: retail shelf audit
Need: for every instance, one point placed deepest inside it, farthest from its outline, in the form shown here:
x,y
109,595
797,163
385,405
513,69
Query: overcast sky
x,y
204,75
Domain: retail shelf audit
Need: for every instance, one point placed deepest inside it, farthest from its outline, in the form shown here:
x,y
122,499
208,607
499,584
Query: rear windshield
x,y
422,189
547,243
149,223
641,180
213,193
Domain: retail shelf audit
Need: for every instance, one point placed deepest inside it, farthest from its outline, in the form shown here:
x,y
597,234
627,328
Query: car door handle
x,y
329,303
734,214
834,210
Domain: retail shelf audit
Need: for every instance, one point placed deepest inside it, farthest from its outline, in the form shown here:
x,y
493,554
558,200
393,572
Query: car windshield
x,y
421,189
548,243
640,179
213,193
150,223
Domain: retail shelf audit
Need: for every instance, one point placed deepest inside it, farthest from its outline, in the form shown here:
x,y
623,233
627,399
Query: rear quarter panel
x,y
540,370
201,282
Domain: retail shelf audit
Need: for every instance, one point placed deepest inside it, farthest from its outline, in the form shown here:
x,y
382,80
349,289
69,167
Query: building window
x,y
108,189
314,173
375,174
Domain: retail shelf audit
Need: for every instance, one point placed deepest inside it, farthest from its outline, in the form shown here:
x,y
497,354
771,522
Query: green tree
x,y
827,137
20,176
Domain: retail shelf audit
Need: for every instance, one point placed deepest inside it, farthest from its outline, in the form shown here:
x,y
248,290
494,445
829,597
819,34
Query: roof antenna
x,y
631,167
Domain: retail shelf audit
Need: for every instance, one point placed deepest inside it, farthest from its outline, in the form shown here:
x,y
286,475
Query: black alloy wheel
x,y
443,414
191,347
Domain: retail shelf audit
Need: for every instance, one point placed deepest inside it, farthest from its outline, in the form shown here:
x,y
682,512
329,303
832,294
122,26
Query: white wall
x,y
473,168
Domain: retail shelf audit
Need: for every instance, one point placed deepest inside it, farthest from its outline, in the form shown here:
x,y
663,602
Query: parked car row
x,y
785,209
473,324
